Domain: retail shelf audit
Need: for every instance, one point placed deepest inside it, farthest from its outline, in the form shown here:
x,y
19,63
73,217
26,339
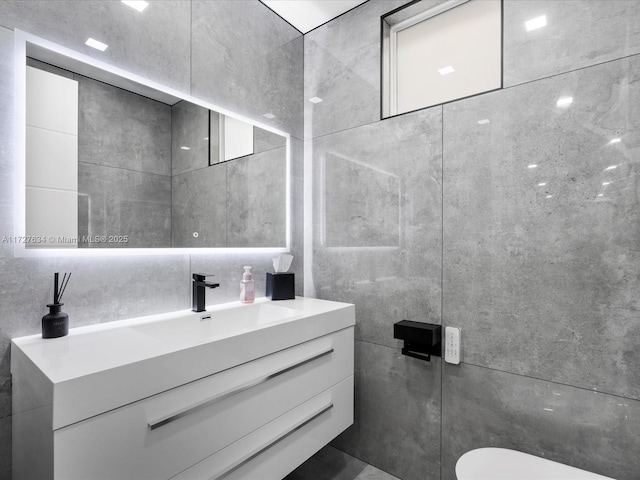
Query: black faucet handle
x,y
200,277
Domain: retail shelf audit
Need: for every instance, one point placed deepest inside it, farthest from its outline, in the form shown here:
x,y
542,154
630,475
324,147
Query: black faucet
x,y
197,291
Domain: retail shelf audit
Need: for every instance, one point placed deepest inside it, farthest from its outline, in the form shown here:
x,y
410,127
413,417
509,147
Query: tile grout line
x,y
442,283
554,75
568,385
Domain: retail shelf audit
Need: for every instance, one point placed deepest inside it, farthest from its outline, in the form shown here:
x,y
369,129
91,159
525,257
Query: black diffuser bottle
x,y
56,323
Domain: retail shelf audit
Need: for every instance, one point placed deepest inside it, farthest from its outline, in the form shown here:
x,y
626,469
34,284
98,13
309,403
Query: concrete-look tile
x,y
541,265
248,60
5,385
342,67
373,473
384,256
101,289
397,413
117,128
134,39
329,464
585,429
5,448
264,140
125,203
562,44
199,208
191,140
332,464
256,200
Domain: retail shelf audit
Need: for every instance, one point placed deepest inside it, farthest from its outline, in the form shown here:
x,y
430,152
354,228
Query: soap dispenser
x,y
247,288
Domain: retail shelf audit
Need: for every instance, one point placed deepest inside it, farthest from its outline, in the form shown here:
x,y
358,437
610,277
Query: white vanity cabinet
x,y
280,394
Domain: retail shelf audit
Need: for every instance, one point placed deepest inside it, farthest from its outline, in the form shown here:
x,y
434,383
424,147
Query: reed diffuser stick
x,y
65,282
55,288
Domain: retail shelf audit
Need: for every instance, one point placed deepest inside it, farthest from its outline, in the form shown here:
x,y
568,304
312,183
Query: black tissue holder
x,y
280,286
421,340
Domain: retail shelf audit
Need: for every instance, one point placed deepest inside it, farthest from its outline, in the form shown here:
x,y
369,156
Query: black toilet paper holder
x,y
421,340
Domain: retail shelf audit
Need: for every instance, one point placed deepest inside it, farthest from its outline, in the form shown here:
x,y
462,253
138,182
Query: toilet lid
x,y
504,464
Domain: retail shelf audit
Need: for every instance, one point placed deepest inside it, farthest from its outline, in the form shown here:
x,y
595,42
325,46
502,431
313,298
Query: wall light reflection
x,y
92,42
138,5
536,23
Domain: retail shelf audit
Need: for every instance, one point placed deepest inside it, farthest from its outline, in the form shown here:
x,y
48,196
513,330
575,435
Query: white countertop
x,y
92,360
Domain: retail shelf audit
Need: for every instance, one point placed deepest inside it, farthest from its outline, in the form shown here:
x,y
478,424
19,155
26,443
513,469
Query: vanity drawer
x,y
277,448
163,435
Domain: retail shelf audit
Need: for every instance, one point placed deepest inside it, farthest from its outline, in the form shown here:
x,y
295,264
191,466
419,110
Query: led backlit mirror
x,y
111,161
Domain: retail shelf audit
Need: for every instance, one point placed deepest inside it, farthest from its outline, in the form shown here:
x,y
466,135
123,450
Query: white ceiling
x,y
306,15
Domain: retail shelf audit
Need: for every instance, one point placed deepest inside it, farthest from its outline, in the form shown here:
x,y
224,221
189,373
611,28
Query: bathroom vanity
x,y
239,391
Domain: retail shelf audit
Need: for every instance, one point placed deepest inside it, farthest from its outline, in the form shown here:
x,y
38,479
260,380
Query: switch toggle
x,y
452,345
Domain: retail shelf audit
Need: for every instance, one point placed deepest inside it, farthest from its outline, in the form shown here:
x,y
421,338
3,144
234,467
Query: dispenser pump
x,y
247,288
247,274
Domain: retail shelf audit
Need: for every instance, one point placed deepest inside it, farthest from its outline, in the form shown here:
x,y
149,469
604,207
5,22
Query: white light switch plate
x,y
452,345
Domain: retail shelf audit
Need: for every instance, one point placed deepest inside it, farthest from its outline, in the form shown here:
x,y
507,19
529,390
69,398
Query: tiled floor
x,y
332,464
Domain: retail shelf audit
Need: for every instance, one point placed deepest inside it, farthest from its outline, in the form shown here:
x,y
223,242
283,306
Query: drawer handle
x,y
221,396
266,445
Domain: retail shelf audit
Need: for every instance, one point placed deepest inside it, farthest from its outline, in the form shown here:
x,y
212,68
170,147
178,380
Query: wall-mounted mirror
x,y
111,161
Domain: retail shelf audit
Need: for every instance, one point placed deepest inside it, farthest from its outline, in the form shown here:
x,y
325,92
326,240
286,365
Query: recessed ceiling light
x,y
542,184
269,115
612,167
614,140
138,5
564,101
184,147
601,194
549,196
533,165
446,70
96,44
315,99
484,121
536,23
604,184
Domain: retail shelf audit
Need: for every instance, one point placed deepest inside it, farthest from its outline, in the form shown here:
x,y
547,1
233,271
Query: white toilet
x,y
505,464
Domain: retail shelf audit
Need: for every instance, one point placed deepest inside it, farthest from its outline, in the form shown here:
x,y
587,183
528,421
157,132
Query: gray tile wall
x,y
190,128
542,279
156,45
198,205
397,426
225,59
124,167
256,191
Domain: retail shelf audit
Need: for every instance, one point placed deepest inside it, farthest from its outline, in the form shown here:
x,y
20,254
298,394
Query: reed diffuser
x,y
56,323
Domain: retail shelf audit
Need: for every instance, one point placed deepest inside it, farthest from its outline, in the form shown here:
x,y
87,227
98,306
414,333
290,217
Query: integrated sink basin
x,y
217,323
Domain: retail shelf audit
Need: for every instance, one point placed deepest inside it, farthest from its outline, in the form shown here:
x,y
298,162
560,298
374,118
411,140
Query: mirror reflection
x,y
110,168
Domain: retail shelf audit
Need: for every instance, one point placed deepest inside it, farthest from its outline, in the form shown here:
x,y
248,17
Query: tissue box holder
x,y
280,286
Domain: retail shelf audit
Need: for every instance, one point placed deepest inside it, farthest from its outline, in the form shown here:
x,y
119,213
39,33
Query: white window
x,y
435,55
